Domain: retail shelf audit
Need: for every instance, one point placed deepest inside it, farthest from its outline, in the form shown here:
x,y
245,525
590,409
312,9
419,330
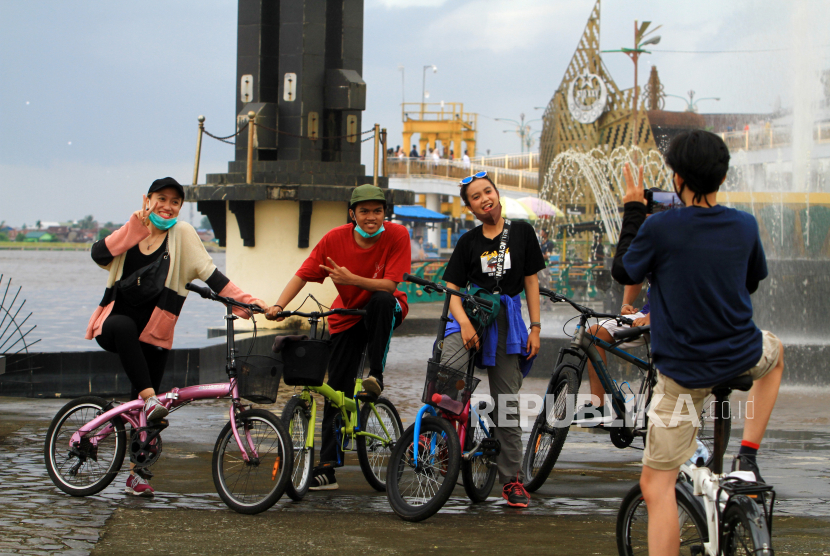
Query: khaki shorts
x,y
672,427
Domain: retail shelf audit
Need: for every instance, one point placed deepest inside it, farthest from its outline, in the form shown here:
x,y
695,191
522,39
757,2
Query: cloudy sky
x,y
97,99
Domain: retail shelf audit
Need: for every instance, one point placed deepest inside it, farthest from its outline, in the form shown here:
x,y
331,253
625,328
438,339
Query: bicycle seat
x,y
629,333
742,383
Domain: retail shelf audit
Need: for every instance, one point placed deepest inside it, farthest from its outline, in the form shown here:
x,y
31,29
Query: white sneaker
x,y
154,410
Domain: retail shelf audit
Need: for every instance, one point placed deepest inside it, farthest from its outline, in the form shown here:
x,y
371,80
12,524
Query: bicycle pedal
x,y
490,447
366,397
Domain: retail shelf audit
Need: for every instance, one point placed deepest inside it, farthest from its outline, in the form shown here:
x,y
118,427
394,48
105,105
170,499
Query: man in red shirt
x,y
366,260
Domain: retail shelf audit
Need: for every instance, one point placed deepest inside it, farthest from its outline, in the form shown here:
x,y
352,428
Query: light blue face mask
x,y
162,223
367,235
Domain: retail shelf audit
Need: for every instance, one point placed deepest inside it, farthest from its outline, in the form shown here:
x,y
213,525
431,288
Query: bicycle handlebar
x,y
437,287
631,332
590,313
319,315
208,294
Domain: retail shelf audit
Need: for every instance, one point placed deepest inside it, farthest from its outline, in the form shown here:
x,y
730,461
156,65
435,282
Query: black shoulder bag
x,y
147,282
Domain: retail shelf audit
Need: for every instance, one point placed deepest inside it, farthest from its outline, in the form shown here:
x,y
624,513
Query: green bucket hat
x,y
367,192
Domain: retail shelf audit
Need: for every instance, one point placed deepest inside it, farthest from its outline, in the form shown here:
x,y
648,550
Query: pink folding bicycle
x,y
253,456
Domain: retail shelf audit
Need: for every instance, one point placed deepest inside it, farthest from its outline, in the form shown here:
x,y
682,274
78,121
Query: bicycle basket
x,y
258,378
305,362
448,388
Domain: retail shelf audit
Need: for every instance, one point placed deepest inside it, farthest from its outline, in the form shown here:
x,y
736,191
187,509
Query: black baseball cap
x,y
160,184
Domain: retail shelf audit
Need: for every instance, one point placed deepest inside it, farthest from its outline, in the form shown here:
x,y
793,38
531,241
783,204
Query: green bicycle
x,y
370,429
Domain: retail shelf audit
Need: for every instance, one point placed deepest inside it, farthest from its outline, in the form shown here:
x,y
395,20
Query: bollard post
x,y
198,150
251,124
385,156
377,146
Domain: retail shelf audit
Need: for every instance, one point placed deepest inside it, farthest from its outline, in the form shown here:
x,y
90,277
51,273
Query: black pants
x,y
143,363
374,329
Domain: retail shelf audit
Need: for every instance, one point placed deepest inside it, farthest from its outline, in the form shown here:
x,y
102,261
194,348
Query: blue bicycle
x,y
424,465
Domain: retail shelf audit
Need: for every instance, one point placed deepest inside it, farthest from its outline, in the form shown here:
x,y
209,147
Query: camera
x,y
658,201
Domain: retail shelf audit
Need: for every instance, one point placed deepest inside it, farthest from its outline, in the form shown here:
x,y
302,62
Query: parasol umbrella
x,y
514,210
541,207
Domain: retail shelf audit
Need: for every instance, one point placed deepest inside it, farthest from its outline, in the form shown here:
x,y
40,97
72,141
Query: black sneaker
x,y
743,463
323,479
515,494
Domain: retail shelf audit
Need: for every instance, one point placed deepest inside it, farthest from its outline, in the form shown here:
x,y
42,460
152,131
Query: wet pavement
x,y
573,513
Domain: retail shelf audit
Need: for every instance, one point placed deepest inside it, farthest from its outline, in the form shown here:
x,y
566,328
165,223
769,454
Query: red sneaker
x,y
515,494
138,486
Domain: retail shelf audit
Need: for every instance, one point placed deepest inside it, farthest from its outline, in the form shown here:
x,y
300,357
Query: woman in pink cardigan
x,y
142,334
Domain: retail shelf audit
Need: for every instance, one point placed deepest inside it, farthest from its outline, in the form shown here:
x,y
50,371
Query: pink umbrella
x,y
541,207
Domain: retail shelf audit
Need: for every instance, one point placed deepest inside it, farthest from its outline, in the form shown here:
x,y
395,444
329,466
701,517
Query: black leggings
x,y
143,363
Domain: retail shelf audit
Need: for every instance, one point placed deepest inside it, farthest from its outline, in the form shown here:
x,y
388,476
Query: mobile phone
x,y
658,201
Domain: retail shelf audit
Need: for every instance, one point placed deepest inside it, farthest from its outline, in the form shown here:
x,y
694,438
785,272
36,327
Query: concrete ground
x,y
573,513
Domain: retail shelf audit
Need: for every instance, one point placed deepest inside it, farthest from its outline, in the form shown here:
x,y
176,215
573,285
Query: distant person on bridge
x,y
465,161
366,260
413,153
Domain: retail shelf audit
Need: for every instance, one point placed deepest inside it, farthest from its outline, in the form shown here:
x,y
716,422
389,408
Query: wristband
x,y
624,305
536,324
280,306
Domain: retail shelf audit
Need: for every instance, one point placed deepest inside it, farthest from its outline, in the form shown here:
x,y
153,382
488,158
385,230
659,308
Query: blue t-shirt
x,y
704,264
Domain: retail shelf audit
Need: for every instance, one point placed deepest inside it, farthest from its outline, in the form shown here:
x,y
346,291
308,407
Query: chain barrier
x,y
243,128
225,139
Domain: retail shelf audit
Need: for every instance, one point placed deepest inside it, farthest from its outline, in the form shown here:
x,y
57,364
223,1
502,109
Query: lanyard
x,y
505,235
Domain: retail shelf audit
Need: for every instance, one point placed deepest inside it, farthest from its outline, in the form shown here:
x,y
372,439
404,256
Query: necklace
x,y
150,245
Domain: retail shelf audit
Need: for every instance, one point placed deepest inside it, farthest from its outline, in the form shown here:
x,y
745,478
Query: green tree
x,y
21,237
205,224
37,225
102,233
86,223
4,236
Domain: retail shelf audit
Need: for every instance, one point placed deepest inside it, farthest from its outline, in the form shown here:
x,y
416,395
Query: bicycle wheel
x,y
745,529
417,490
372,453
90,466
632,525
253,486
706,432
477,473
551,427
295,417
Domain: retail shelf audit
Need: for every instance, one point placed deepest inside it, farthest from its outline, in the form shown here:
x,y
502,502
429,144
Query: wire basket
x,y
447,388
305,362
258,378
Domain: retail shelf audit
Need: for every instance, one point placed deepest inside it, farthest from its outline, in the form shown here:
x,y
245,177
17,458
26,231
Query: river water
x,y
63,288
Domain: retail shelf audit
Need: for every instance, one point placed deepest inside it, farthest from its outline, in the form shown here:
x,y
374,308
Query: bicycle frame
x,y
132,412
718,489
584,346
349,411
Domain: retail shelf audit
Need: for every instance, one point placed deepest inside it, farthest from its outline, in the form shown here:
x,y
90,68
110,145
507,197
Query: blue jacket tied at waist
x,y
516,336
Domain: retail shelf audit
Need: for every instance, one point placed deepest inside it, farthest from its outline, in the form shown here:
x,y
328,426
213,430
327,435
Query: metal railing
x,y
455,170
526,161
770,137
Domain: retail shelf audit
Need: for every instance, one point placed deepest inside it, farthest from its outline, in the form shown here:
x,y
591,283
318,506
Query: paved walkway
x,y
573,513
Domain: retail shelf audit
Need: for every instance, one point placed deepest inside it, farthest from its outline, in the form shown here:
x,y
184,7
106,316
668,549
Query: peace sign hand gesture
x,y
338,274
146,209
633,192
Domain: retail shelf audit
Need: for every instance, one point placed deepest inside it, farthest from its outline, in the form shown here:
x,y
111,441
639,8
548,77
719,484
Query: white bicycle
x,y
718,513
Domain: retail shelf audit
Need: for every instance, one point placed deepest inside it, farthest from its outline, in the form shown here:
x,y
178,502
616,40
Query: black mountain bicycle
x,y
630,409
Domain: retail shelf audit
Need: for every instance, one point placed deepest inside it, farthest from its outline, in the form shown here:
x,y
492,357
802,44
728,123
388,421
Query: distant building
x,y
38,237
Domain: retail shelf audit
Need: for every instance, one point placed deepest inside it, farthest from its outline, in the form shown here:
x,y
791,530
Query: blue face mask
x,y
162,223
367,235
